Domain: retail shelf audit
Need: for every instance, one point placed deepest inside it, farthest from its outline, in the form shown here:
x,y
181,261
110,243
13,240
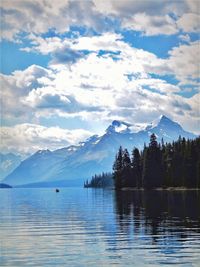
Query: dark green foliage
x,y
117,169
100,181
159,165
136,168
152,171
126,169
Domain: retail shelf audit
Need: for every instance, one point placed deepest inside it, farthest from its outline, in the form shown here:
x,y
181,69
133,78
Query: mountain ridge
x,y
94,155
8,162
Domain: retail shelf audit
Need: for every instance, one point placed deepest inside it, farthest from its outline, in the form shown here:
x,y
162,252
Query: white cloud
x,y
151,17
185,38
184,61
127,8
46,97
107,41
95,87
154,17
191,119
21,16
45,45
195,104
157,85
30,77
151,25
18,85
28,138
103,87
138,60
52,99
189,22
193,6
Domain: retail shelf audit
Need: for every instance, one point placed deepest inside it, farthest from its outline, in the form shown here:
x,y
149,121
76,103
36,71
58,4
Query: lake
x,y
88,227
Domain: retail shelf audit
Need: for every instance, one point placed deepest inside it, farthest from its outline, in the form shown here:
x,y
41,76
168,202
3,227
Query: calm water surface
x,y
87,227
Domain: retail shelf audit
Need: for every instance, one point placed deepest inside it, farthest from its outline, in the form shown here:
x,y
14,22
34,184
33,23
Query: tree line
x,y
100,181
158,165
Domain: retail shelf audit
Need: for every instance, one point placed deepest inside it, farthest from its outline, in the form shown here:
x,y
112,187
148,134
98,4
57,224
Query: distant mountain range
x,y
73,164
8,162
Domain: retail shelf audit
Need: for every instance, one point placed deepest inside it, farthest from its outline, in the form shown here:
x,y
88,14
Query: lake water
x,y
88,227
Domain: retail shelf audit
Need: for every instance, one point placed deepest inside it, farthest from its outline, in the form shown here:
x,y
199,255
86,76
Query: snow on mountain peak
x,y
72,148
43,152
162,121
92,140
165,119
118,127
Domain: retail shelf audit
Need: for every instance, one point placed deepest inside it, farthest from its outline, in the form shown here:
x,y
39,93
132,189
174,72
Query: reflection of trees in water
x,y
159,213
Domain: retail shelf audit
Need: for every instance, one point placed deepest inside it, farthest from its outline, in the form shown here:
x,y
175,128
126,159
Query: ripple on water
x,y
80,227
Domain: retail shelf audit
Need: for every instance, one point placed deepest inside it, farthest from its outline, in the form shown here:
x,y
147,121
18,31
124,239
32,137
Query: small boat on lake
x,y
57,190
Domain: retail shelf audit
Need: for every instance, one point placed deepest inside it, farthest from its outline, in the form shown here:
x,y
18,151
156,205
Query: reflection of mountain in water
x,y
165,216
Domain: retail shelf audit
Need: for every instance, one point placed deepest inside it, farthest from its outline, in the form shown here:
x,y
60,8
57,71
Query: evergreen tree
x,y
100,181
165,165
117,169
126,169
167,155
136,169
152,172
153,142
198,174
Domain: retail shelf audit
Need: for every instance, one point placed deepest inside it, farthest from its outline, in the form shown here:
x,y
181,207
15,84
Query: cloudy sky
x,y
68,68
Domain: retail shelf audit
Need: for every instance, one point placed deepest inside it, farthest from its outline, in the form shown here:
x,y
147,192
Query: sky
x,y
69,68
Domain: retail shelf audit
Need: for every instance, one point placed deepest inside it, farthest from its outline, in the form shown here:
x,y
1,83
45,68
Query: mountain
x,y
8,162
167,129
72,165
39,166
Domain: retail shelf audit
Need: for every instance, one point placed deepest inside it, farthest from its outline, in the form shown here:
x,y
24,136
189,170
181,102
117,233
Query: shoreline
x,y
160,189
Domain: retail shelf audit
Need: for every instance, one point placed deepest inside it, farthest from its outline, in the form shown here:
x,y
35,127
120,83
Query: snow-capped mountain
x,y
8,162
167,129
118,127
73,164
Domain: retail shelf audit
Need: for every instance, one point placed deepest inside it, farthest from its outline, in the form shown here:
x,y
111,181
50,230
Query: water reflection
x,y
170,219
85,227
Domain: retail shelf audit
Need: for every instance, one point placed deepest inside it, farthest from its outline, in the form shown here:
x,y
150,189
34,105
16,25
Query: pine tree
x,y
117,169
198,173
136,169
152,170
166,165
153,142
126,169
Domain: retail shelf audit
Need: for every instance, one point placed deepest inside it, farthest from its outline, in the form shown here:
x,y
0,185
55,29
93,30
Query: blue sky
x,y
68,68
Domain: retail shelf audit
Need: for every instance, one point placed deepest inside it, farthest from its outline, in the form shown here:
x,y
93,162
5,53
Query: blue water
x,y
88,227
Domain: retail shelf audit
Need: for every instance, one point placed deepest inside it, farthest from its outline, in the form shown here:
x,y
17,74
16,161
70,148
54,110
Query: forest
x,y
100,181
159,165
